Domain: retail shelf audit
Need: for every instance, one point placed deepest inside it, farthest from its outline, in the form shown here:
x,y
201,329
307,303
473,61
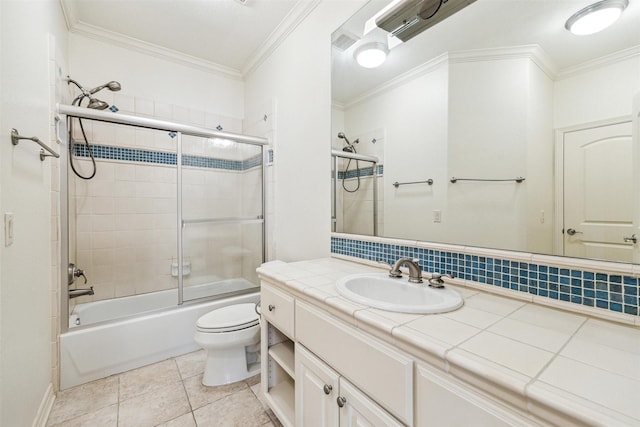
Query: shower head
x,y
113,86
341,135
94,103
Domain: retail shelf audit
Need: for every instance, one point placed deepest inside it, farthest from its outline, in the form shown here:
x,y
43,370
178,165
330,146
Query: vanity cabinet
x,y
318,370
325,398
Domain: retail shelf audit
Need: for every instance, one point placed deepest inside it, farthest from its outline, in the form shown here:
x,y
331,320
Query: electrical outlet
x,y
8,229
437,215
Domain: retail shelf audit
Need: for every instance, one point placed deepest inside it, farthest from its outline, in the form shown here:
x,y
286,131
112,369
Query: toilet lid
x,y
229,318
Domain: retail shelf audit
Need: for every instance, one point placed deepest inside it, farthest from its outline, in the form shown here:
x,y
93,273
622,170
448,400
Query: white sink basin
x,y
391,294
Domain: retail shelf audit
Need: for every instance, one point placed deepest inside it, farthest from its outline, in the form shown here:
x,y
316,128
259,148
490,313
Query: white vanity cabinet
x,y
324,398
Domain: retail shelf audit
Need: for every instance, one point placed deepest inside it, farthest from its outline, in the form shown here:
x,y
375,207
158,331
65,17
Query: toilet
x,y
231,336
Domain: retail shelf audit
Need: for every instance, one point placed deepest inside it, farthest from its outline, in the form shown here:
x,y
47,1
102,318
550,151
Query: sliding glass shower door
x,y
221,216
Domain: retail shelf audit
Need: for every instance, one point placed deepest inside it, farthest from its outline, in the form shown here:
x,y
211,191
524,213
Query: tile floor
x,y
168,394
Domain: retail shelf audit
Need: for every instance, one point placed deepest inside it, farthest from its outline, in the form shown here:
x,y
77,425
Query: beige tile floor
x,y
168,394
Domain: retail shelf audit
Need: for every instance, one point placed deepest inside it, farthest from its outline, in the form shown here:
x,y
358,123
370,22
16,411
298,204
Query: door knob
x,y
272,307
573,231
341,401
327,389
633,239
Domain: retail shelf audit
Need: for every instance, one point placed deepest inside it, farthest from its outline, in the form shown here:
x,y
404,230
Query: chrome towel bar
x,y
398,184
517,179
16,137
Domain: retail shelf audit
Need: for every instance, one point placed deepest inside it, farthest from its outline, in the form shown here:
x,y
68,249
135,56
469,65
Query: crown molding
x,y
295,16
621,55
531,52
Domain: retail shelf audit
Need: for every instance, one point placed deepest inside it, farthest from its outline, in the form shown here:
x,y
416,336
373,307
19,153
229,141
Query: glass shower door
x,y
222,223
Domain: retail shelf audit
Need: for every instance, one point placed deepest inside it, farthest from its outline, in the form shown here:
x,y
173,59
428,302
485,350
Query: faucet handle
x,y
436,280
80,273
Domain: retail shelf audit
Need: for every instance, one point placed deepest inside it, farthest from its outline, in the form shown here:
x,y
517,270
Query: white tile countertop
x,y
540,359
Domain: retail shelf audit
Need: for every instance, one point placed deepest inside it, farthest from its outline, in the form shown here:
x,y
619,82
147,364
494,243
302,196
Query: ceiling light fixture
x,y
371,55
596,17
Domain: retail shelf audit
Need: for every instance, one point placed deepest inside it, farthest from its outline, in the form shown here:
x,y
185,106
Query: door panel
x,y
598,193
316,391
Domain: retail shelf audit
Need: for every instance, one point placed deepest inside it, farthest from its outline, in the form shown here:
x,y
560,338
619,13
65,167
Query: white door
x,y
357,410
598,193
316,391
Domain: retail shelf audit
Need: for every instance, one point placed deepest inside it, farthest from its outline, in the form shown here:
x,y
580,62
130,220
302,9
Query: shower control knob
x,y
341,401
327,389
272,307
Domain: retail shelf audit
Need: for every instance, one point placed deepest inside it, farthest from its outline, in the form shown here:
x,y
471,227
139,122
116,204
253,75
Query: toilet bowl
x,y
231,337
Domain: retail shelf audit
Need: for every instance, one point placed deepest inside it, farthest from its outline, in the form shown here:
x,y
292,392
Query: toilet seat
x,y
228,319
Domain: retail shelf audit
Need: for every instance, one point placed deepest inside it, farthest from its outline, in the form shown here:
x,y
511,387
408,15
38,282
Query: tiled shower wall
x,y
354,213
125,217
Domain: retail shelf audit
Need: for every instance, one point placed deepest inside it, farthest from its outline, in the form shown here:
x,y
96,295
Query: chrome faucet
x,y
436,280
415,271
75,293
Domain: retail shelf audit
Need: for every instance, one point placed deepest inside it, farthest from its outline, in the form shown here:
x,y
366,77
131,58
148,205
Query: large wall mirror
x,y
496,127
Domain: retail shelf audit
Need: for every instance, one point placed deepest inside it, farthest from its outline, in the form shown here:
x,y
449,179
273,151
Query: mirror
x,y
523,128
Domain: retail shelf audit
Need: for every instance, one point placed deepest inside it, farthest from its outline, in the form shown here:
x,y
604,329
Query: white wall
x,y
596,93
93,63
26,275
297,76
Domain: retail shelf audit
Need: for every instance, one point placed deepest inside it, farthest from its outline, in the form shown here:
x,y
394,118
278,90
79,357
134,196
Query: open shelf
x,y
282,354
283,399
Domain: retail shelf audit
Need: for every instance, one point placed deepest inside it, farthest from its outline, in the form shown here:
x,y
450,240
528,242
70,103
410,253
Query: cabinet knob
x,y
341,401
327,389
272,307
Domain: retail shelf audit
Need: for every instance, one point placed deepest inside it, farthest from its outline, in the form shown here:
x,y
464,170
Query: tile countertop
x,y
539,359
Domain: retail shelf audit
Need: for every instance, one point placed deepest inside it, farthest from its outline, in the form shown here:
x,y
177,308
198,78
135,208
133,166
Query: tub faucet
x,y
415,271
75,293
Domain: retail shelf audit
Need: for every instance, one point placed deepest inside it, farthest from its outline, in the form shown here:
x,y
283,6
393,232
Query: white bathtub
x,y
113,346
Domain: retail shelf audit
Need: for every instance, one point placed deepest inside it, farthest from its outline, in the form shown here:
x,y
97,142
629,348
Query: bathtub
x,y
135,331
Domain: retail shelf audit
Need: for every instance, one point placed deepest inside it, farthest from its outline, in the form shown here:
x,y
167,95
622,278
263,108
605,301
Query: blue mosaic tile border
x,y
614,292
353,173
147,156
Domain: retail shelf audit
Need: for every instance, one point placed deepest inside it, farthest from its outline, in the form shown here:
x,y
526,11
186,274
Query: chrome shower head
x,y
341,135
113,86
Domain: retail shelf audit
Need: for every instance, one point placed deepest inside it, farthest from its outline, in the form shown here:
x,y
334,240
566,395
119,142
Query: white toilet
x,y
231,336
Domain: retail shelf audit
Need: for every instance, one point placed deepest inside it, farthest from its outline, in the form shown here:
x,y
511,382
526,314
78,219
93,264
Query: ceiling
x,y
485,24
228,36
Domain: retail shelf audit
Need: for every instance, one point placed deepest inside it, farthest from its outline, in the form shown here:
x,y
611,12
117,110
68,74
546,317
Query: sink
x,y
397,294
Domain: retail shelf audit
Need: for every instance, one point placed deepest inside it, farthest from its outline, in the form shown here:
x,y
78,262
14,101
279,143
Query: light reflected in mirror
x,y
524,129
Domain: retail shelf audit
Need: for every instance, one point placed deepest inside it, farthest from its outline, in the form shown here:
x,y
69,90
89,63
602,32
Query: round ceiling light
x,y
371,55
596,17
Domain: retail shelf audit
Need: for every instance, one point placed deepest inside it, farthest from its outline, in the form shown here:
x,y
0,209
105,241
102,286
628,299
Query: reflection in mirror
x,y
499,90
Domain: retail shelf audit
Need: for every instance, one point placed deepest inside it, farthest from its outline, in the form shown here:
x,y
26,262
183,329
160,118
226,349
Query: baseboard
x,y
45,407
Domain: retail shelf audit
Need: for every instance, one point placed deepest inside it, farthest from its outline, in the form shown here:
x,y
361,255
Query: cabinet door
x,y
316,391
359,410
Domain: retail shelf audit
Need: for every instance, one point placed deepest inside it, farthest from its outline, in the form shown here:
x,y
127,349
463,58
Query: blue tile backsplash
x,y
614,292
158,157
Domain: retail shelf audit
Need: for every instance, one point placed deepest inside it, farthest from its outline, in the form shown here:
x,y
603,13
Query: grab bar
x,y
245,220
398,184
353,156
16,137
517,179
